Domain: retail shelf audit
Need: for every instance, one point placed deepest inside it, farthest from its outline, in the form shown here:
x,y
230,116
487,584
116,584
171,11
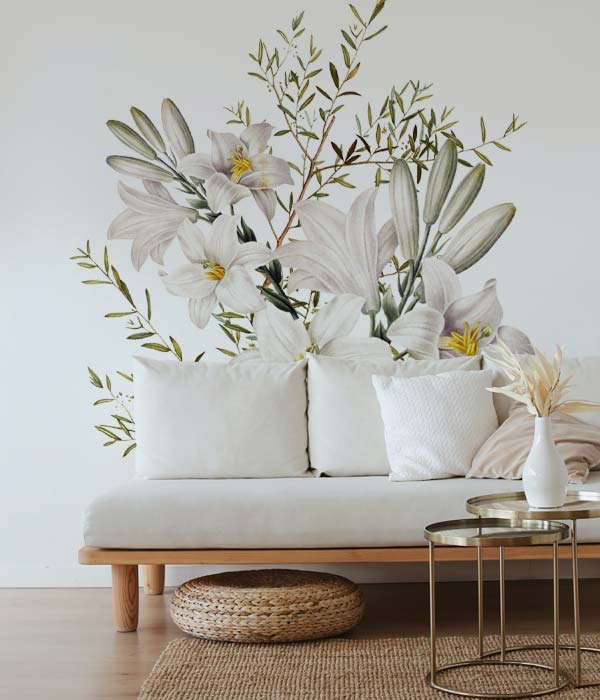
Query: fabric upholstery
x,y
297,512
503,455
344,422
434,425
213,420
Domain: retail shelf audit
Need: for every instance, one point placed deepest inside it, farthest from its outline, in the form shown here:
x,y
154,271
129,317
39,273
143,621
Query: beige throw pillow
x,y
503,454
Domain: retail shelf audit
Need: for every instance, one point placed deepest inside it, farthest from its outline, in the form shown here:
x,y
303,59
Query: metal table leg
x,y
432,612
576,619
560,679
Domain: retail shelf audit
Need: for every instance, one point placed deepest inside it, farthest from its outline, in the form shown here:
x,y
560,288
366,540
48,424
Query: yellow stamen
x,y
239,164
466,343
214,271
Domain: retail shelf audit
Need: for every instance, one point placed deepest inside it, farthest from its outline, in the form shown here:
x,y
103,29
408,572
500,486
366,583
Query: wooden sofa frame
x,y
125,564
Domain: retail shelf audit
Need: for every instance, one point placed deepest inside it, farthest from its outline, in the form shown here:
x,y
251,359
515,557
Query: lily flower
x,y
152,220
470,322
217,271
283,339
342,253
238,167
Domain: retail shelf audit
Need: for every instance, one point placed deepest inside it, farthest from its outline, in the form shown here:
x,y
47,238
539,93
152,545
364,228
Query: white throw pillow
x,y
434,425
212,420
345,430
585,384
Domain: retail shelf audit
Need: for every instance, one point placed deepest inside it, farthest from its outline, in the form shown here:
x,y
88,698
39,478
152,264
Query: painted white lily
x,y
217,271
469,322
283,339
342,253
238,167
152,219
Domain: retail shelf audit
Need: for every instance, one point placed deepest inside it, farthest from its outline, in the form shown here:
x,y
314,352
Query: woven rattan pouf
x,y
272,605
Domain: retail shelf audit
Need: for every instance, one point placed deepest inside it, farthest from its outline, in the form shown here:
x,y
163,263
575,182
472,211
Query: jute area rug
x,y
345,669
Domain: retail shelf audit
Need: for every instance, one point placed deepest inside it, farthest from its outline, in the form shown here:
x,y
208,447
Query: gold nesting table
x,y
497,532
579,505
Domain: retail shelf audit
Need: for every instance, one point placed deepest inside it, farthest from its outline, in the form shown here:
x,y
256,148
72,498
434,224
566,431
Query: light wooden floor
x,y
60,643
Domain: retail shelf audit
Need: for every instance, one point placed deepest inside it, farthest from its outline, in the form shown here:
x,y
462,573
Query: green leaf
x,y
306,102
325,94
353,72
176,347
140,336
95,282
129,449
100,401
227,352
126,376
119,314
94,378
149,305
281,132
482,157
346,56
285,110
122,286
334,75
358,17
338,150
87,266
483,129
156,346
107,432
372,36
501,146
379,5
199,357
348,39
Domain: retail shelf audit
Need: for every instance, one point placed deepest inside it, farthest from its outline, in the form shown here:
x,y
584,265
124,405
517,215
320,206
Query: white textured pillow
x,y
345,430
435,425
212,420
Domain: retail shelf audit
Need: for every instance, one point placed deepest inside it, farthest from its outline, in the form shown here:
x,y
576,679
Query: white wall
x,y
68,65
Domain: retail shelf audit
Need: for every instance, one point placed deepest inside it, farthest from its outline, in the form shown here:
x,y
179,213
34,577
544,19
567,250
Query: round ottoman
x,y
271,605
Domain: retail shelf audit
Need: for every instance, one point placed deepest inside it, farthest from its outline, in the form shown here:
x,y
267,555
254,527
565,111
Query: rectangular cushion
x,y
585,384
368,511
213,420
345,429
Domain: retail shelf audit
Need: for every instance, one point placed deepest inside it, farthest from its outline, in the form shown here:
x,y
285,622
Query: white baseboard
x,y
99,576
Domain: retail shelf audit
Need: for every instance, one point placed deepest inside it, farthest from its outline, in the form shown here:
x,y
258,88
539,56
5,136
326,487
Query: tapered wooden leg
x,y
154,579
125,596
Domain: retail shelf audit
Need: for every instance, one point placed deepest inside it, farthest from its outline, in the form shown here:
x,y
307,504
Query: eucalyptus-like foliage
x,y
273,286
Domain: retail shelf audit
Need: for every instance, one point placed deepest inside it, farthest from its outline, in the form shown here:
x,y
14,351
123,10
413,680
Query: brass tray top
x,y
513,505
495,532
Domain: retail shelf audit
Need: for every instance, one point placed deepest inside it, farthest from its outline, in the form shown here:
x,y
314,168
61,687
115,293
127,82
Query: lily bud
x,y
389,306
476,238
131,139
176,129
405,209
138,168
440,181
464,195
148,130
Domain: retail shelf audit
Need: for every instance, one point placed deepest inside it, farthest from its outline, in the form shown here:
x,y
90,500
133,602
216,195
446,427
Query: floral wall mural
x,y
302,281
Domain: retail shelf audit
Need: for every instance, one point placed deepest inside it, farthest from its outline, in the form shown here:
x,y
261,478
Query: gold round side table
x,y
579,505
501,533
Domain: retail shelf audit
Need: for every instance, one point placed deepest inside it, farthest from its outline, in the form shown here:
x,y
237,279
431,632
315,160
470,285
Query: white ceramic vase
x,y
545,475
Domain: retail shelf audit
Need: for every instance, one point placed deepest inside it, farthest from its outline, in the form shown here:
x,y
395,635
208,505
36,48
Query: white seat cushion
x,y
368,511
